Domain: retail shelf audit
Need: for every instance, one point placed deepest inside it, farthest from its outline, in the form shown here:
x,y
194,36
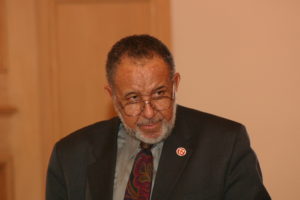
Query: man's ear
x,y
176,79
108,90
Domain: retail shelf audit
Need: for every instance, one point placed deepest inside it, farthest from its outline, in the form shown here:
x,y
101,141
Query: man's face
x,y
140,80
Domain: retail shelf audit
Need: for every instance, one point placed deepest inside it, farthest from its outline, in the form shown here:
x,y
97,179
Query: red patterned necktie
x,y
140,180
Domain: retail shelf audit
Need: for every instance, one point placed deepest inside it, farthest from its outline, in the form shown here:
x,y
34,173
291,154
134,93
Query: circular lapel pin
x,y
180,151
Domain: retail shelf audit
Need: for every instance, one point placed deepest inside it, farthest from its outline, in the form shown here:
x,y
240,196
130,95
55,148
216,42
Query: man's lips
x,y
150,126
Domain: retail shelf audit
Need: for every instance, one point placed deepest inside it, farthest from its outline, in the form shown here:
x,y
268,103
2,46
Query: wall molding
x,y
6,180
3,40
7,109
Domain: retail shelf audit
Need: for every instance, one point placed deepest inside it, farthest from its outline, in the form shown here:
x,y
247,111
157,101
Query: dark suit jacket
x,y
219,163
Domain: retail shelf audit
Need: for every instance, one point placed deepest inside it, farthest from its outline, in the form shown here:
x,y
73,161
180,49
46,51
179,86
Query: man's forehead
x,y
142,73
129,64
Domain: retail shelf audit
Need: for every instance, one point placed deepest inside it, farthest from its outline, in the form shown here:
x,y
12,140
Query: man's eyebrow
x,y
160,87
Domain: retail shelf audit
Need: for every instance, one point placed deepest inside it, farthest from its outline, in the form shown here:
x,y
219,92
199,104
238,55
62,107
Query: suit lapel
x,y
171,165
100,172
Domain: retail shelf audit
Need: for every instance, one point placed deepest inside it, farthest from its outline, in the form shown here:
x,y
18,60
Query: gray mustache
x,y
146,122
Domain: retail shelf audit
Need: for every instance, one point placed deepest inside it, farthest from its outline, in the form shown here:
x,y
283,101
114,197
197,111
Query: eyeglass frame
x,y
145,102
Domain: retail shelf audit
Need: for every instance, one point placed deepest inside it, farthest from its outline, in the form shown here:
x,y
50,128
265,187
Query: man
x,y
153,149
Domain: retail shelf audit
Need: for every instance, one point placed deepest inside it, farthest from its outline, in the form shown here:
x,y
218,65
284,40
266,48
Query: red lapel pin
x,y
180,151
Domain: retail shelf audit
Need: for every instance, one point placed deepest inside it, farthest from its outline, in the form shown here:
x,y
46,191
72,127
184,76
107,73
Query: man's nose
x,y
148,111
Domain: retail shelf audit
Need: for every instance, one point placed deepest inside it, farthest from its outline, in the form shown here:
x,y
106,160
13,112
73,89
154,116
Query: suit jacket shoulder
x,y
202,125
90,135
83,160
208,157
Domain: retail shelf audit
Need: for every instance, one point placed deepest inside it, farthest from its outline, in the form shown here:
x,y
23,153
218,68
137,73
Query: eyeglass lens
x,y
134,109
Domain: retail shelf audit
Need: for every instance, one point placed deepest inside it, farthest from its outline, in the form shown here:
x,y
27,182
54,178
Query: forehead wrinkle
x,y
141,83
144,79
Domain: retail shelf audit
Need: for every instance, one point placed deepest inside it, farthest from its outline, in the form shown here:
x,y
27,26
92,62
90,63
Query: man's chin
x,y
150,138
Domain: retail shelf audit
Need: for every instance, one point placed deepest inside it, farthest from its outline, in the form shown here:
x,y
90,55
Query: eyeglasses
x,y
160,103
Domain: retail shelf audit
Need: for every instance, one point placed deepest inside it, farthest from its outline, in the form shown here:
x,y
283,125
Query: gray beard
x,y
167,127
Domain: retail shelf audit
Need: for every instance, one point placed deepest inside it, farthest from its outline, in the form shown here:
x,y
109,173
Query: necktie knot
x,y
145,146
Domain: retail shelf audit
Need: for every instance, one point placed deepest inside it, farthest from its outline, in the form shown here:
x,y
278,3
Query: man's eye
x,y
160,93
133,98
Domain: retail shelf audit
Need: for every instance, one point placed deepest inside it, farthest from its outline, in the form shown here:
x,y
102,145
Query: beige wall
x,y
23,86
240,60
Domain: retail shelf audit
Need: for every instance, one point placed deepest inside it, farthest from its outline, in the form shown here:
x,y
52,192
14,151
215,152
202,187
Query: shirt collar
x,y
131,144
